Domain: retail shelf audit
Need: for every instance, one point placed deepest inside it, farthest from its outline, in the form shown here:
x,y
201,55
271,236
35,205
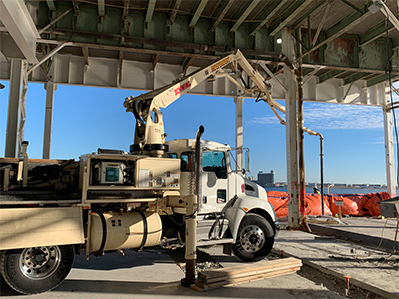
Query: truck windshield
x,y
216,162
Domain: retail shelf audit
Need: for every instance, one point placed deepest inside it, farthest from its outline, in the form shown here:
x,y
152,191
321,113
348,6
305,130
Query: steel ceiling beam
x,y
155,59
150,11
222,14
395,43
125,9
186,63
339,28
354,77
50,4
55,20
328,75
321,24
245,15
301,19
289,15
49,55
276,6
174,11
198,13
375,32
353,6
18,22
75,5
101,8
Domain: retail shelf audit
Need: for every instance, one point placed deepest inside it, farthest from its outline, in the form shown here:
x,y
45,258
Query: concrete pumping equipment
x,y
110,200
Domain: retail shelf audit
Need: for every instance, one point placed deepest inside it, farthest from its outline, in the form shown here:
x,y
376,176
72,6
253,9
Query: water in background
x,y
336,190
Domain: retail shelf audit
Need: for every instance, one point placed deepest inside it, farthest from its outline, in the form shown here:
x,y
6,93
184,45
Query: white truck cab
x,y
226,194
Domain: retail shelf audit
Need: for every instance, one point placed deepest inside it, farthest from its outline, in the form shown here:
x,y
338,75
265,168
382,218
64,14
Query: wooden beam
x,y
150,11
245,15
222,14
198,13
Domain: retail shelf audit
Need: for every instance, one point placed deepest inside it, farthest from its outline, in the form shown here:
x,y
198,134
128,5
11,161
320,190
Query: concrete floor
x,y
154,274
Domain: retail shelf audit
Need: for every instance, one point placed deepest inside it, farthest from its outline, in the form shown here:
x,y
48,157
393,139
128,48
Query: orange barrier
x,y
354,204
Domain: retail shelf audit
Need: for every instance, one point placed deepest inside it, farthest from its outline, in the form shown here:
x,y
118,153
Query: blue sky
x,y
86,118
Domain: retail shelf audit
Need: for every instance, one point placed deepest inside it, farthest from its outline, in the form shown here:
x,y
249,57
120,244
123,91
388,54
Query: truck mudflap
x,y
36,226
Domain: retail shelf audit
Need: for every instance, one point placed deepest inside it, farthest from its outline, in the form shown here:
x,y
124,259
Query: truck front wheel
x,y
255,238
36,269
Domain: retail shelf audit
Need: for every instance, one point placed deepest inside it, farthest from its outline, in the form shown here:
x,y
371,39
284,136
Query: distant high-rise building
x,y
266,179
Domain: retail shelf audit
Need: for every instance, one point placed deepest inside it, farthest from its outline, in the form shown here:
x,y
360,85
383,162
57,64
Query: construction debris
x,y
208,280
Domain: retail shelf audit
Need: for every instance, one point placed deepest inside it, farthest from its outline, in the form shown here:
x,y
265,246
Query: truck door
x,y
214,182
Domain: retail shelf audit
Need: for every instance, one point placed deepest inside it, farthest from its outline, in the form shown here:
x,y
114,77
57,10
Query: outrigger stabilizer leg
x,y
191,216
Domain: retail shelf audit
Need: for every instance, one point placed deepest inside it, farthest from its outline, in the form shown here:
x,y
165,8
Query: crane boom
x,y
149,133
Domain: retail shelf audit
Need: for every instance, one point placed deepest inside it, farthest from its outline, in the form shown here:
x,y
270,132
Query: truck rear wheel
x,y
255,238
36,269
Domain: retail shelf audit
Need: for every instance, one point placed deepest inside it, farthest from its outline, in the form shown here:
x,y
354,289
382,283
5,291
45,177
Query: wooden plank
x,y
212,286
250,273
246,268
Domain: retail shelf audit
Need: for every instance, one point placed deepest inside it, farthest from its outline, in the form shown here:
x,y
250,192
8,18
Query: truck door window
x,y
185,164
171,155
216,162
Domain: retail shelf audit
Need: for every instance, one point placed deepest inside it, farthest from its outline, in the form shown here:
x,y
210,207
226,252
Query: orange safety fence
x,y
353,204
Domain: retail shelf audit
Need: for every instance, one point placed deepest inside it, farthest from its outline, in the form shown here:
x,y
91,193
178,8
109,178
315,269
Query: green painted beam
x,y
245,15
395,43
374,33
288,15
150,11
198,13
51,5
174,11
354,6
270,12
339,28
377,79
354,77
223,12
301,19
101,8
346,23
328,75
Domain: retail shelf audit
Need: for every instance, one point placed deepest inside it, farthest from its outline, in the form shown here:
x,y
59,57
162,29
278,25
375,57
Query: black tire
x,y
37,269
255,238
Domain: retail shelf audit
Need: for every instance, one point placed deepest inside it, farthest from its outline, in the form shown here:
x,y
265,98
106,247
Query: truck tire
x,y
255,238
36,269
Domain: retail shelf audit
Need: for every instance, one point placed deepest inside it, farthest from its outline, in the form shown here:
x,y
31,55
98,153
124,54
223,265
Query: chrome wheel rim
x,y
252,238
39,262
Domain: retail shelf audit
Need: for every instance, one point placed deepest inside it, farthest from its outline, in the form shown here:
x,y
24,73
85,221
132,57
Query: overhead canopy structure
x,y
348,51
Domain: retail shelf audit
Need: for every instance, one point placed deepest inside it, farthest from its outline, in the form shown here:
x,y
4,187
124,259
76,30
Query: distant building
x,y
266,179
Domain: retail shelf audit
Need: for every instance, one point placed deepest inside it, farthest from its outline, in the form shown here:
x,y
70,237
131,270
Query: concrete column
x,y
48,119
239,101
389,155
16,108
288,47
